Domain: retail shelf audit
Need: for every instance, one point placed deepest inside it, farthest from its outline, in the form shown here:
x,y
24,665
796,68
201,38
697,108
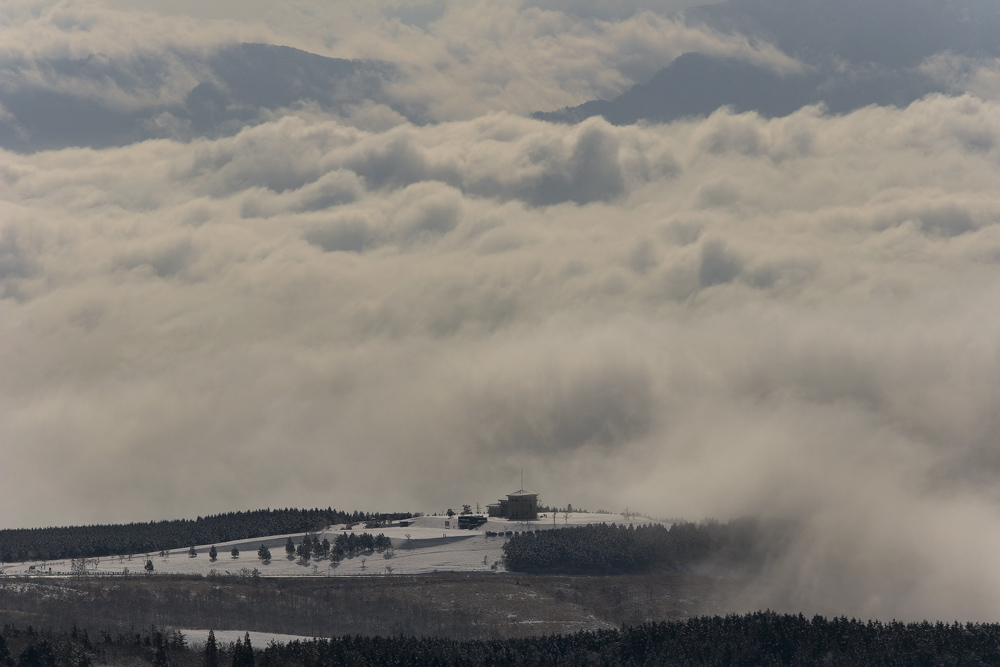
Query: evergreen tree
x,y
213,554
160,658
238,653
33,655
264,554
235,553
192,552
211,651
290,549
149,566
243,653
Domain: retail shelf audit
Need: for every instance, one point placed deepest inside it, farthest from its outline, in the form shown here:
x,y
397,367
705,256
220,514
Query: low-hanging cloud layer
x,y
461,59
793,317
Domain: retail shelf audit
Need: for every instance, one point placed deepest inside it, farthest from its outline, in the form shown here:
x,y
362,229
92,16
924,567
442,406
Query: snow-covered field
x,y
427,545
198,637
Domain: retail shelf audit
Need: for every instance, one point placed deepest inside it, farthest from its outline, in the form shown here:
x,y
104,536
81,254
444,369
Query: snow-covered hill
x,y
428,544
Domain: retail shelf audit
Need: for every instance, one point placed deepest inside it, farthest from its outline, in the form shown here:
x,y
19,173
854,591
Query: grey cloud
x,y
725,133
643,256
617,10
352,235
822,348
946,221
579,165
16,260
781,273
681,232
552,408
322,195
964,74
431,215
165,258
396,163
719,265
333,189
719,193
591,173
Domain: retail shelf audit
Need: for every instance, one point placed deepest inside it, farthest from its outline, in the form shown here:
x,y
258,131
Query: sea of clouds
x,y
794,317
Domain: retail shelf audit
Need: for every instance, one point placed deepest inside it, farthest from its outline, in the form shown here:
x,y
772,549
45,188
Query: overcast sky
x,y
711,318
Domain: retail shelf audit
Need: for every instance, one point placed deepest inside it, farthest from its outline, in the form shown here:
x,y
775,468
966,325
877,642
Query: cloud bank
x,y
460,59
712,318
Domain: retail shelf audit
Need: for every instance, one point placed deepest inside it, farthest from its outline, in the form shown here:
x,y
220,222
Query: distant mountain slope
x,y
696,85
856,53
232,87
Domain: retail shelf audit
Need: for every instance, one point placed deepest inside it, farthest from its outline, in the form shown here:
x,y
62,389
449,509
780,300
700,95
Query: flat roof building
x,y
522,506
519,506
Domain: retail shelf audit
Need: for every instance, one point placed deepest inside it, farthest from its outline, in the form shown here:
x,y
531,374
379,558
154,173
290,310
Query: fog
x,y
717,317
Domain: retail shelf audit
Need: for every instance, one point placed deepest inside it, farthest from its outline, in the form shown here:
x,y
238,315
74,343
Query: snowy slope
x,y
427,545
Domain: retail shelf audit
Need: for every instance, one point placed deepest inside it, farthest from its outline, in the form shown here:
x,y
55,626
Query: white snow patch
x,y
427,545
198,637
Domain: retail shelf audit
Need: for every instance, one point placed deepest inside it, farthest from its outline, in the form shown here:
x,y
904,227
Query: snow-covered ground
x,y
198,637
429,544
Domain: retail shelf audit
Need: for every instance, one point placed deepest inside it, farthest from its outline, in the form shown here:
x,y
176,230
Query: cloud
x,y
962,74
460,61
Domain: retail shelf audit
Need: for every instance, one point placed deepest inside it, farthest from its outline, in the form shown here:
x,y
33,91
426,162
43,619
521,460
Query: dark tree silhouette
x,y
160,657
67,542
211,651
243,653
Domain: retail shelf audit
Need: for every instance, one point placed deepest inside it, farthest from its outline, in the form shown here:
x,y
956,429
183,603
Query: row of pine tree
x,y
611,549
762,638
140,538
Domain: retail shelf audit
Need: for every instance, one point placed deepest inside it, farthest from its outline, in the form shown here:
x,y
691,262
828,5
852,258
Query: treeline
x,y
608,549
762,638
137,538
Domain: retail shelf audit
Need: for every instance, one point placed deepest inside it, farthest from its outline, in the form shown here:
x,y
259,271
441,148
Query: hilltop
x,y
424,545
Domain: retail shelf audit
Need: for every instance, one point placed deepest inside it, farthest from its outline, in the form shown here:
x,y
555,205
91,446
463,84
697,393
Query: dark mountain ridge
x,y
235,86
854,53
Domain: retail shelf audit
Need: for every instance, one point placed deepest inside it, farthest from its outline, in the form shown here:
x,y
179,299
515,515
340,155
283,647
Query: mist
x,y
792,317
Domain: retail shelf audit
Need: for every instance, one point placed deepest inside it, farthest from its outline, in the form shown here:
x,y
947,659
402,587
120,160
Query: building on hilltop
x,y
497,509
522,506
519,506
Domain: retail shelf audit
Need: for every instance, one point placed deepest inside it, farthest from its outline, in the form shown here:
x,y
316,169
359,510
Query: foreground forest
x,y
457,606
588,595
763,638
